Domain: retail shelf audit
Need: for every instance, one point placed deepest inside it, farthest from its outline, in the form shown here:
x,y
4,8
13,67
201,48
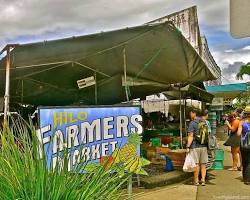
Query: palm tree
x,y
244,70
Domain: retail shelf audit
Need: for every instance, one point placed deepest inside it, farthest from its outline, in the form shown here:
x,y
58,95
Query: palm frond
x,y
244,70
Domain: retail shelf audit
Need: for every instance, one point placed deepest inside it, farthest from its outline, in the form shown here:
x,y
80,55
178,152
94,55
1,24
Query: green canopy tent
x,y
189,91
46,73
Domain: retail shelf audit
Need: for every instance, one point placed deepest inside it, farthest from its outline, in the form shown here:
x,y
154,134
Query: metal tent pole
x,y
130,183
95,90
180,119
7,48
185,112
7,85
125,73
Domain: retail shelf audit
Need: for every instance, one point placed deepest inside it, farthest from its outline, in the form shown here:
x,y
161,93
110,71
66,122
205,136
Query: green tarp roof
x,y
46,73
228,91
189,92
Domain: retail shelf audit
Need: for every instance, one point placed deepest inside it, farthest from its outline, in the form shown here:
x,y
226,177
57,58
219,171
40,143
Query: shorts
x,y
199,155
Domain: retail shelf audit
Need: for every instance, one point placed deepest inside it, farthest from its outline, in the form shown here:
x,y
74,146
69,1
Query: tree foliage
x,y
244,70
243,100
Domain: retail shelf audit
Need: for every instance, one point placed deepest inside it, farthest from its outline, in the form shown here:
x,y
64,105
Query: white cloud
x,y
223,58
34,20
247,48
36,17
230,62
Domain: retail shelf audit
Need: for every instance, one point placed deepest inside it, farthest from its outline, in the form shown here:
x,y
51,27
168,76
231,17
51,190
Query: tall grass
x,y
24,175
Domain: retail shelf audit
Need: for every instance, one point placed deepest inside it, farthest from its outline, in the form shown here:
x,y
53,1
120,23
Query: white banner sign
x,y
86,82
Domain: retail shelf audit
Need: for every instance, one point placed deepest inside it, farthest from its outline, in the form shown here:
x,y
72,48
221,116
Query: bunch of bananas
x,y
134,164
128,154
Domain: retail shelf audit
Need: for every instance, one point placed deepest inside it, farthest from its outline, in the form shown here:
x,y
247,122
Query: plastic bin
x,y
218,165
219,155
166,139
155,142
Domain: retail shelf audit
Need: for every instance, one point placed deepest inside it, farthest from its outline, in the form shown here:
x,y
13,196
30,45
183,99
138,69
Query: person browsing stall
x,y
232,123
197,145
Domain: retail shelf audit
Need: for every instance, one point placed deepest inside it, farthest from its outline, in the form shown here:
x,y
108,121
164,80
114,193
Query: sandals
x,y
233,169
197,184
203,184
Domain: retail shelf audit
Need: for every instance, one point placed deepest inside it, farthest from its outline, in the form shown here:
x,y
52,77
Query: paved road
x,y
222,185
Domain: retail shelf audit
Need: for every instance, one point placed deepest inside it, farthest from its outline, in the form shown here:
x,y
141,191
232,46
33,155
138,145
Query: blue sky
x,y
27,21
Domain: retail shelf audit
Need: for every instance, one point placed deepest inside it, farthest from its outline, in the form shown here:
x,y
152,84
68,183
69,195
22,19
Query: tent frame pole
x,y
95,89
181,136
7,85
125,72
185,113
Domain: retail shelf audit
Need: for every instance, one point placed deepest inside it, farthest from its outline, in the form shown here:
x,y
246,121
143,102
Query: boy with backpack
x,y
198,133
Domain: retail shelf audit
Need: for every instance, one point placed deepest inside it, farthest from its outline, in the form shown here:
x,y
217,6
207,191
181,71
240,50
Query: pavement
x,y
222,184
169,178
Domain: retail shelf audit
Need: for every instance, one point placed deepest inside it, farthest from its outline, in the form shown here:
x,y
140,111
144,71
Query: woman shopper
x,y
244,132
232,123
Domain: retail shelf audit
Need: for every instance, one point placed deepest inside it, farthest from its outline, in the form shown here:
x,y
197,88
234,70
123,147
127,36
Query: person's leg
x,y
195,156
196,174
235,151
240,156
247,168
203,161
244,159
203,172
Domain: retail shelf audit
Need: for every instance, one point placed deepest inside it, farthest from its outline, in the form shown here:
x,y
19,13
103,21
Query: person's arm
x,y
190,140
239,131
234,125
190,135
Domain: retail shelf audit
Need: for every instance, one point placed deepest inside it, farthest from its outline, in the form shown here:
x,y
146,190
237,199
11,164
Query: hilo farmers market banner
x,y
89,133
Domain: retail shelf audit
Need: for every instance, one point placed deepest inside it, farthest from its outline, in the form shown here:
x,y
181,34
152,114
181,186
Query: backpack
x,y
202,133
212,142
245,140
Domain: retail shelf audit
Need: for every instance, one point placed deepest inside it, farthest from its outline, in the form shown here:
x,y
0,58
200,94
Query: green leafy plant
x,y
25,175
243,99
244,70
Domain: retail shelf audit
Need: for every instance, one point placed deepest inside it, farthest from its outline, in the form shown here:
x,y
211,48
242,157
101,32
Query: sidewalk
x,y
222,184
183,192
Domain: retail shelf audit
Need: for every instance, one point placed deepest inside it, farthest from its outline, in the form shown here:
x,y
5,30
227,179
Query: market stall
x,y
164,137
107,68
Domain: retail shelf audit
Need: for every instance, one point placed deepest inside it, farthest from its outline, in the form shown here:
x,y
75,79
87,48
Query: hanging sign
x,y
86,82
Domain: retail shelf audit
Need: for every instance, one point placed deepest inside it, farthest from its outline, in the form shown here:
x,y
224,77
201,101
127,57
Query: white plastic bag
x,y
189,163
